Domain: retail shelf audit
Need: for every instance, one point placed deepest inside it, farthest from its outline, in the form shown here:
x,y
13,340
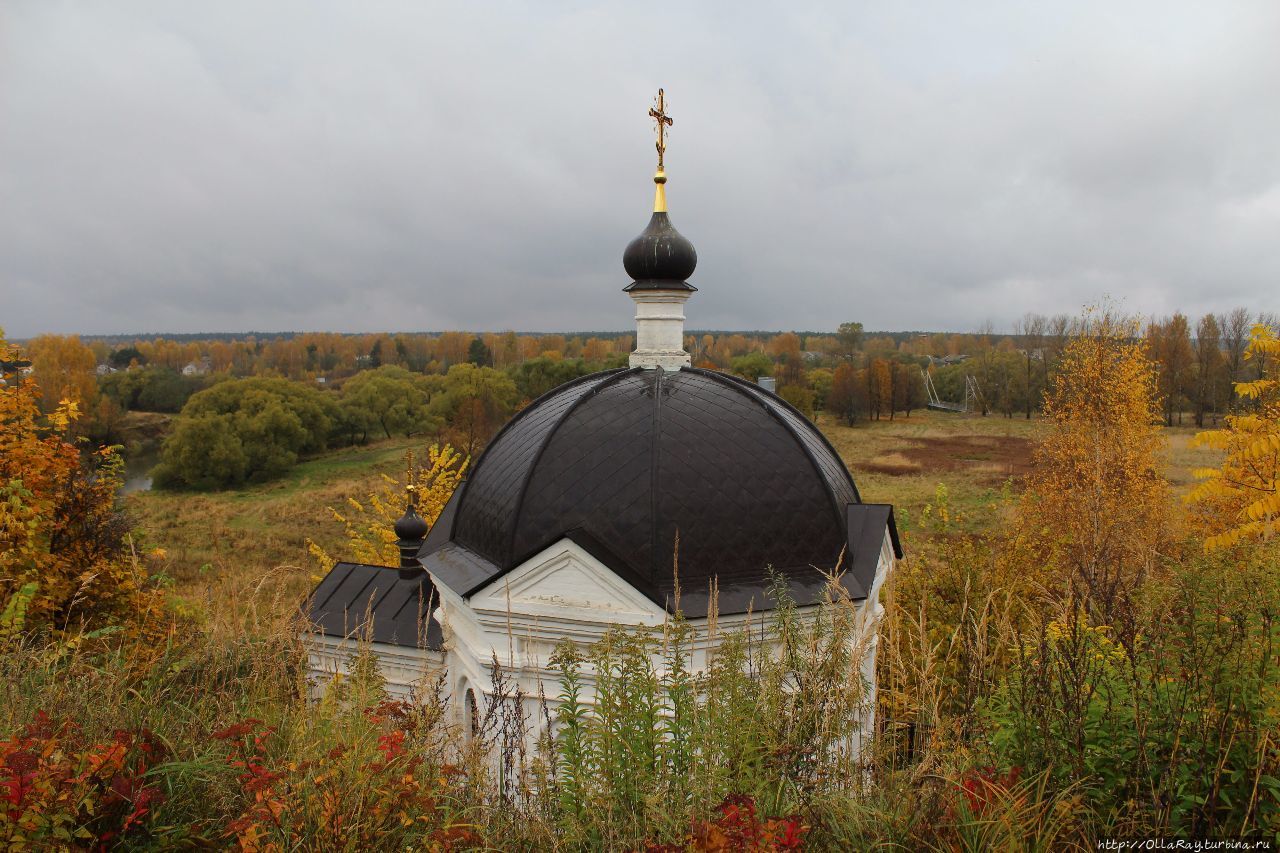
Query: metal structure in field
x,y
972,394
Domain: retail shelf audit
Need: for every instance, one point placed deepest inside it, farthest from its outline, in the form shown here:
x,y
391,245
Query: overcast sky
x,y
220,166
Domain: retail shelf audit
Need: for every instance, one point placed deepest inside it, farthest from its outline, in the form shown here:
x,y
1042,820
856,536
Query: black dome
x,y
660,258
410,526
622,461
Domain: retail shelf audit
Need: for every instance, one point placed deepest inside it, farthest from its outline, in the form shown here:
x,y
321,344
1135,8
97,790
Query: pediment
x,y
565,581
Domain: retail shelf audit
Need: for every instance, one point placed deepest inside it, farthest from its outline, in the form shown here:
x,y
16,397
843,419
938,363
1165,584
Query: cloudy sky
x,y
182,167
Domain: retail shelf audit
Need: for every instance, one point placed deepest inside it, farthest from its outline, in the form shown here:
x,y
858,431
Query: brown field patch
x,y
994,458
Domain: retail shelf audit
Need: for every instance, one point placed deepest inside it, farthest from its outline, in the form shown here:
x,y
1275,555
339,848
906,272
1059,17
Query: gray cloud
x,y
191,167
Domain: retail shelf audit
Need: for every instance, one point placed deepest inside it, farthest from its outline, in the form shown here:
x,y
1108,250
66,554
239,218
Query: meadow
x,y
220,545
1061,660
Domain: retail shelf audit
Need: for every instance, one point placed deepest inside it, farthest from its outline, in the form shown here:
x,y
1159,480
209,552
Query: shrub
x,y
245,430
61,791
373,788
64,553
1179,727
662,749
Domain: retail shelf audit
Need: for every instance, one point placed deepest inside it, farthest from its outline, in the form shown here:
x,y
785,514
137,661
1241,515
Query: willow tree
x,y
1240,500
1095,511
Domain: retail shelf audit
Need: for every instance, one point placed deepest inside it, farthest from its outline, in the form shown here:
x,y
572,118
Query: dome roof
x,y
660,258
624,461
410,526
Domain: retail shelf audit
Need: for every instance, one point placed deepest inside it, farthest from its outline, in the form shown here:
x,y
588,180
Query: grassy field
x,y
904,461
219,544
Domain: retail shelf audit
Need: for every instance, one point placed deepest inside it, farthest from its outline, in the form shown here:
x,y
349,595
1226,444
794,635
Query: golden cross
x,y
663,121
410,488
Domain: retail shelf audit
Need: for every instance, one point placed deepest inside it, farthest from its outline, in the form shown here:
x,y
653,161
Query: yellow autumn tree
x,y
1095,511
64,556
368,521
1240,500
63,366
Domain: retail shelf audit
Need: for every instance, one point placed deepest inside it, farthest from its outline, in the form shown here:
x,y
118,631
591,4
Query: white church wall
x,y
406,669
562,592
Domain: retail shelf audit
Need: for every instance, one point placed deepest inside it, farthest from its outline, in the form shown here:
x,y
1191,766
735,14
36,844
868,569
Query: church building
x,y
612,500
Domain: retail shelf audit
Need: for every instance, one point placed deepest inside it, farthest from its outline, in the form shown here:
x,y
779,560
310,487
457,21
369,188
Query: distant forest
x,y
315,390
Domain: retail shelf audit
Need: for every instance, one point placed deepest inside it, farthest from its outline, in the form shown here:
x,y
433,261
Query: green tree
x,y
126,356
391,398
820,379
203,452
850,337
246,429
537,376
474,401
799,396
752,366
151,389
478,354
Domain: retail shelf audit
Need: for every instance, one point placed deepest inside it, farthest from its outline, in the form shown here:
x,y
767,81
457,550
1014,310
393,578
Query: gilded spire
x,y
658,112
410,487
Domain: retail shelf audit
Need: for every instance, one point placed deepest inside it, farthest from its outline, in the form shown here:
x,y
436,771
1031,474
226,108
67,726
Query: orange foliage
x,y
1240,499
65,370
1094,514
63,551
352,797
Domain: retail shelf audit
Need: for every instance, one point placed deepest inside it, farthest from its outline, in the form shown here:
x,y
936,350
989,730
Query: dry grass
x,y
903,461
215,542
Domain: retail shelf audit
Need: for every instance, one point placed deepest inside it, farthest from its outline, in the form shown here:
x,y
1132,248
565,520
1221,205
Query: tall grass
x,y
1005,721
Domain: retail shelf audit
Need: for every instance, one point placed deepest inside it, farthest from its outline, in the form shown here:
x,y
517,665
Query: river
x,y
137,471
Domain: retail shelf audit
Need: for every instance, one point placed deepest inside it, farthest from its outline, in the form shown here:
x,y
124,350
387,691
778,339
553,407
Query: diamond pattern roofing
x,y
635,460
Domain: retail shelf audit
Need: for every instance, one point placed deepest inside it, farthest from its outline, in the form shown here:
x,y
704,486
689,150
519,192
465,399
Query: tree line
x,y
378,385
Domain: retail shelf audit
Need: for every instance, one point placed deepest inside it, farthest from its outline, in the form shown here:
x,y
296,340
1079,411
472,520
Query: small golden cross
x,y
663,121
410,488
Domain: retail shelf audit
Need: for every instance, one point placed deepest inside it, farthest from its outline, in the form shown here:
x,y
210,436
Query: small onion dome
x,y
411,527
660,258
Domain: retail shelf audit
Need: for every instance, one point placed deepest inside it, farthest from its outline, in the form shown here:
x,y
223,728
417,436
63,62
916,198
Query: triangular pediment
x,y
567,582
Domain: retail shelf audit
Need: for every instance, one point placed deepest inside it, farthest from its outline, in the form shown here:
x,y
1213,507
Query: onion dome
x,y
411,527
660,258
410,530
626,463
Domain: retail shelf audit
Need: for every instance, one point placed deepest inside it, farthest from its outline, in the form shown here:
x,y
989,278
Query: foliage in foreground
x,y
65,560
665,761
1059,680
1242,497
1087,644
